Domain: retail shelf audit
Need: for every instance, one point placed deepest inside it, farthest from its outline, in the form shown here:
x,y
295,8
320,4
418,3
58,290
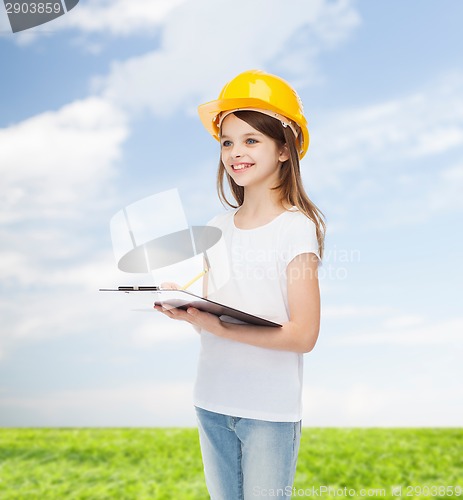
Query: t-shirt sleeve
x,y
301,237
218,220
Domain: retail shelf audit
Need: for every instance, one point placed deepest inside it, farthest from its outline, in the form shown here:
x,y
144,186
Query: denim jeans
x,y
246,458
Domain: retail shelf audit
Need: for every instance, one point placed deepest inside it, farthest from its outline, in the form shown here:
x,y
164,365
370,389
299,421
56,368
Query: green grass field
x,y
139,464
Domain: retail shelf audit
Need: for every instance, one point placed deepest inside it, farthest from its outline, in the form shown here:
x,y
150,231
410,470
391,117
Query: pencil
x,y
196,278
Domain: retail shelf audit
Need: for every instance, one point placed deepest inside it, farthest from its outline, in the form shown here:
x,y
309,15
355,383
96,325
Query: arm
x,y
299,334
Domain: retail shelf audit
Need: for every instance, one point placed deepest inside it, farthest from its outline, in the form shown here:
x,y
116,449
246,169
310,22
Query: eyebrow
x,y
249,134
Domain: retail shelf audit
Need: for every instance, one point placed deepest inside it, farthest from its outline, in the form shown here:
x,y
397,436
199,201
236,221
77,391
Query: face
x,y
250,157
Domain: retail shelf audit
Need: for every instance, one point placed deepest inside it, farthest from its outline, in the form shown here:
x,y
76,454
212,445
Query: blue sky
x,y
98,110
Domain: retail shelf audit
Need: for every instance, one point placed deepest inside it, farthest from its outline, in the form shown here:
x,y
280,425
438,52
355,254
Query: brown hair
x,y
291,189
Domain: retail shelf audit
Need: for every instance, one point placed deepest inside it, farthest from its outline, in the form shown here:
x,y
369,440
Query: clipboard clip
x,y
138,288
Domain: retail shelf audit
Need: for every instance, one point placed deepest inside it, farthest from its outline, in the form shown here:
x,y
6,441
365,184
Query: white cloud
x,y
453,174
64,300
405,320
370,405
147,404
29,268
408,333
208,42
353,311
13,266
391,133
50,313
446,193
58,159
119,17
170,404
397,162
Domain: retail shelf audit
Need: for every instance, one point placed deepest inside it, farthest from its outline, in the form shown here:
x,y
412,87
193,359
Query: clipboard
x,y
183,300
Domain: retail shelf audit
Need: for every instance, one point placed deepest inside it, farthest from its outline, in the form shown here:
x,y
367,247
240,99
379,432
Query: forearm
x,y
290,337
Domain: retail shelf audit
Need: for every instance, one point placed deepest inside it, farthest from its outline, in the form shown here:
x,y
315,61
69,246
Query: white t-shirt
x,y
242,380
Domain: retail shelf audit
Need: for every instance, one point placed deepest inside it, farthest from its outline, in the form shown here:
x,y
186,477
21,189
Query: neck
x,y
261,201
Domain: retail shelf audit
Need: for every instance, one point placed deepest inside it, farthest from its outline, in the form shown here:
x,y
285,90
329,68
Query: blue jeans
x,y
246,458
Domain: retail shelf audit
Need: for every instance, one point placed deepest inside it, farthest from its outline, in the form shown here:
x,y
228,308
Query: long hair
x,y
290,184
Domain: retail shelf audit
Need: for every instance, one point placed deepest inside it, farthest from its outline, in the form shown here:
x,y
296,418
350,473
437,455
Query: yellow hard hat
x,y
258,91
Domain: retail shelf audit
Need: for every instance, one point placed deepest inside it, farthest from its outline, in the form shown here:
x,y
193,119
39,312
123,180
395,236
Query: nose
x,y
235,151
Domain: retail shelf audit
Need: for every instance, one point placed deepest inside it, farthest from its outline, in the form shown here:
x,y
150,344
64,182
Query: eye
x,y
226,144
251,141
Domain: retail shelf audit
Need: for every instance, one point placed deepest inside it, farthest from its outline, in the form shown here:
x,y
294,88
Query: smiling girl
x,y
248,392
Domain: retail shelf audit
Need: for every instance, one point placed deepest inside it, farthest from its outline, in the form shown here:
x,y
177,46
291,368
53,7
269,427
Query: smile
x,y
241,166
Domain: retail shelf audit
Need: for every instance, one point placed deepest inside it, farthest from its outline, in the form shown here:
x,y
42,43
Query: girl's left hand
x,y
201,319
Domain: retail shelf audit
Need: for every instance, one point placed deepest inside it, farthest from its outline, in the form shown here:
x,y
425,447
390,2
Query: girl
x,y
249,382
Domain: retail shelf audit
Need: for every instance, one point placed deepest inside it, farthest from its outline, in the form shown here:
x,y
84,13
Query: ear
x,y
284,153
